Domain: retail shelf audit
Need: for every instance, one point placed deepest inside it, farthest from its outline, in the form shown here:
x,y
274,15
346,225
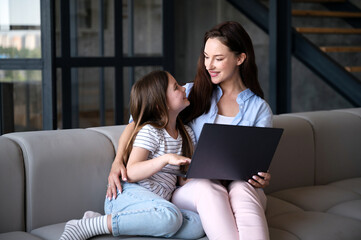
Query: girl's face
x,y
176,96
220,62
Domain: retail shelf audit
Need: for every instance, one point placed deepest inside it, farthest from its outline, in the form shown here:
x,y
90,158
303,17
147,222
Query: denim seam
x,y
115,228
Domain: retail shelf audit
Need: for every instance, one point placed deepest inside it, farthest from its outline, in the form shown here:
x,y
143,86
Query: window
x,y
80,71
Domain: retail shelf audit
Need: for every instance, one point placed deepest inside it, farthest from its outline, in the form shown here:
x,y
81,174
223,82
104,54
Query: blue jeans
x,y
138,211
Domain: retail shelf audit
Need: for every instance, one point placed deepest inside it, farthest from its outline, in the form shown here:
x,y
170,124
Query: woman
x,y
225,90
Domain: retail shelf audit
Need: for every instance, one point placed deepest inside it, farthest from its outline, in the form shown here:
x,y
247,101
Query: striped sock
x,y
91,214
85,228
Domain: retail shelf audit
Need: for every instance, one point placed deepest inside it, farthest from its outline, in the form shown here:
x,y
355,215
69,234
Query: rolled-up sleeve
x,y
265,116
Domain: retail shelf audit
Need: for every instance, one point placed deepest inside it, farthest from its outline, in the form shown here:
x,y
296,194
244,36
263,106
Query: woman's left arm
x,y
264,119
264,116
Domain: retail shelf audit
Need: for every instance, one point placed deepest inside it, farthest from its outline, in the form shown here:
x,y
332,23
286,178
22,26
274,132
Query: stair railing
x,y
305,51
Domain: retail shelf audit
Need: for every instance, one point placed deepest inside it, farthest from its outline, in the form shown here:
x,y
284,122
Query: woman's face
x,y
176,96
220,62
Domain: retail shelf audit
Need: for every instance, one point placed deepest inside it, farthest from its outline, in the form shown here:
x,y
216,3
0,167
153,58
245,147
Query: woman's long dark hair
x,y
148,105
232,35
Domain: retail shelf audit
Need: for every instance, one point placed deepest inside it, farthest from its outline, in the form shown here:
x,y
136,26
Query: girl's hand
x,y
260,182
178,160
118,170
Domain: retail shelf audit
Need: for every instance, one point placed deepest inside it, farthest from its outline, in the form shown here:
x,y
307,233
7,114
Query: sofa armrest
x,y
66,173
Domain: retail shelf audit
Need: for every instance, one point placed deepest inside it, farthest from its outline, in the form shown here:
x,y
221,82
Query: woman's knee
x,y
205,188
240,185
242,190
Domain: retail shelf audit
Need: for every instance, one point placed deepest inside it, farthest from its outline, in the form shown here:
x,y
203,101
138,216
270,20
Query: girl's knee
x,y
192,226
171,219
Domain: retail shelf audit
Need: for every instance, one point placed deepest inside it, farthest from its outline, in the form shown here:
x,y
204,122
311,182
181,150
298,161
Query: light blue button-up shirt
x,y
253,111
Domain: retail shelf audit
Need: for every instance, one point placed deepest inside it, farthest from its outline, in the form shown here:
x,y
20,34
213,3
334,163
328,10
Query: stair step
x,y
319,1
313,13
328,30
341,49
353,68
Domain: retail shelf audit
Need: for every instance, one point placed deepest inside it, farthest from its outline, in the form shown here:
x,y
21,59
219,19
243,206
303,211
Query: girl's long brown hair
x,y
232,35
148,105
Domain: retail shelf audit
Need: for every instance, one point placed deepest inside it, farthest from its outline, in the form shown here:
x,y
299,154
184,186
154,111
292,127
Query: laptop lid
x,y
231,152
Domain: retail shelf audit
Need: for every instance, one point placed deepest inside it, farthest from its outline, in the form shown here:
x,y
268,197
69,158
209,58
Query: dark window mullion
x,y
109,61
101,70
168,35
131,40
65,55
118,83
22,64
48,58
73,11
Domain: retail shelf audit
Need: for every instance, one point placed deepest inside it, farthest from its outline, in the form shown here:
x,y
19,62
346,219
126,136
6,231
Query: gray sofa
x,y
50,177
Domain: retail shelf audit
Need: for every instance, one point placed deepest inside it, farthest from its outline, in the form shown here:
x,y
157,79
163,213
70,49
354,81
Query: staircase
x,y
341,21
326,37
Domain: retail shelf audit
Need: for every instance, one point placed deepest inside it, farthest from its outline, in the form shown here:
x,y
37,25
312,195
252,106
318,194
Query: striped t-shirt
x,y
158,142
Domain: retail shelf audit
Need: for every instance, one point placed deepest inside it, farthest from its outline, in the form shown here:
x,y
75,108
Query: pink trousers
x,y
232,213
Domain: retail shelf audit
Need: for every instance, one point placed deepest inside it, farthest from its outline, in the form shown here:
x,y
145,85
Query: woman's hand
x,y
118,170
260,181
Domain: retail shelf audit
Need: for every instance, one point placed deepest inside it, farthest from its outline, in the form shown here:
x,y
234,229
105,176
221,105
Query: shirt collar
x,y
242,96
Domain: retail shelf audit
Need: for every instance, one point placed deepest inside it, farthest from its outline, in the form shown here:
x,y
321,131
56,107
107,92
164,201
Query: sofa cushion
x,y
331,211
337,142
316,198
356,111
53,232
111,132
12,187
352,184
293,164
276,206
17,235
66,174
317,225
279,234
351,208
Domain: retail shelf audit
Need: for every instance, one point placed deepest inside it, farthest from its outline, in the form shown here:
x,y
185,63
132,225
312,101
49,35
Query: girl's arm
x,y
139,168
118,169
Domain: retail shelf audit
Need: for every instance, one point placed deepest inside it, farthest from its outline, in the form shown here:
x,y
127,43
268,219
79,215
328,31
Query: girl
x,y
154,152
226,91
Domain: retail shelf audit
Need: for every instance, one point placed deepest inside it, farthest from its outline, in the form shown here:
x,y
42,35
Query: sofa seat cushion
x,y
317,225
331,211
353,184
18,235
351,209
316,198
281,234
53,232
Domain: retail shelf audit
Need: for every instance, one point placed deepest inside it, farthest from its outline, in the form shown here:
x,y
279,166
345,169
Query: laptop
x,y
230,152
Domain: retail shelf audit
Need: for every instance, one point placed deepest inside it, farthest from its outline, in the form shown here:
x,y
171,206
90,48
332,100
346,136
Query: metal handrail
x,y
320,63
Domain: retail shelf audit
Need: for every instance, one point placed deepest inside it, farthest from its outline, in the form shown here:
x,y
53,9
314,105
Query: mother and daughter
x,y
156,143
